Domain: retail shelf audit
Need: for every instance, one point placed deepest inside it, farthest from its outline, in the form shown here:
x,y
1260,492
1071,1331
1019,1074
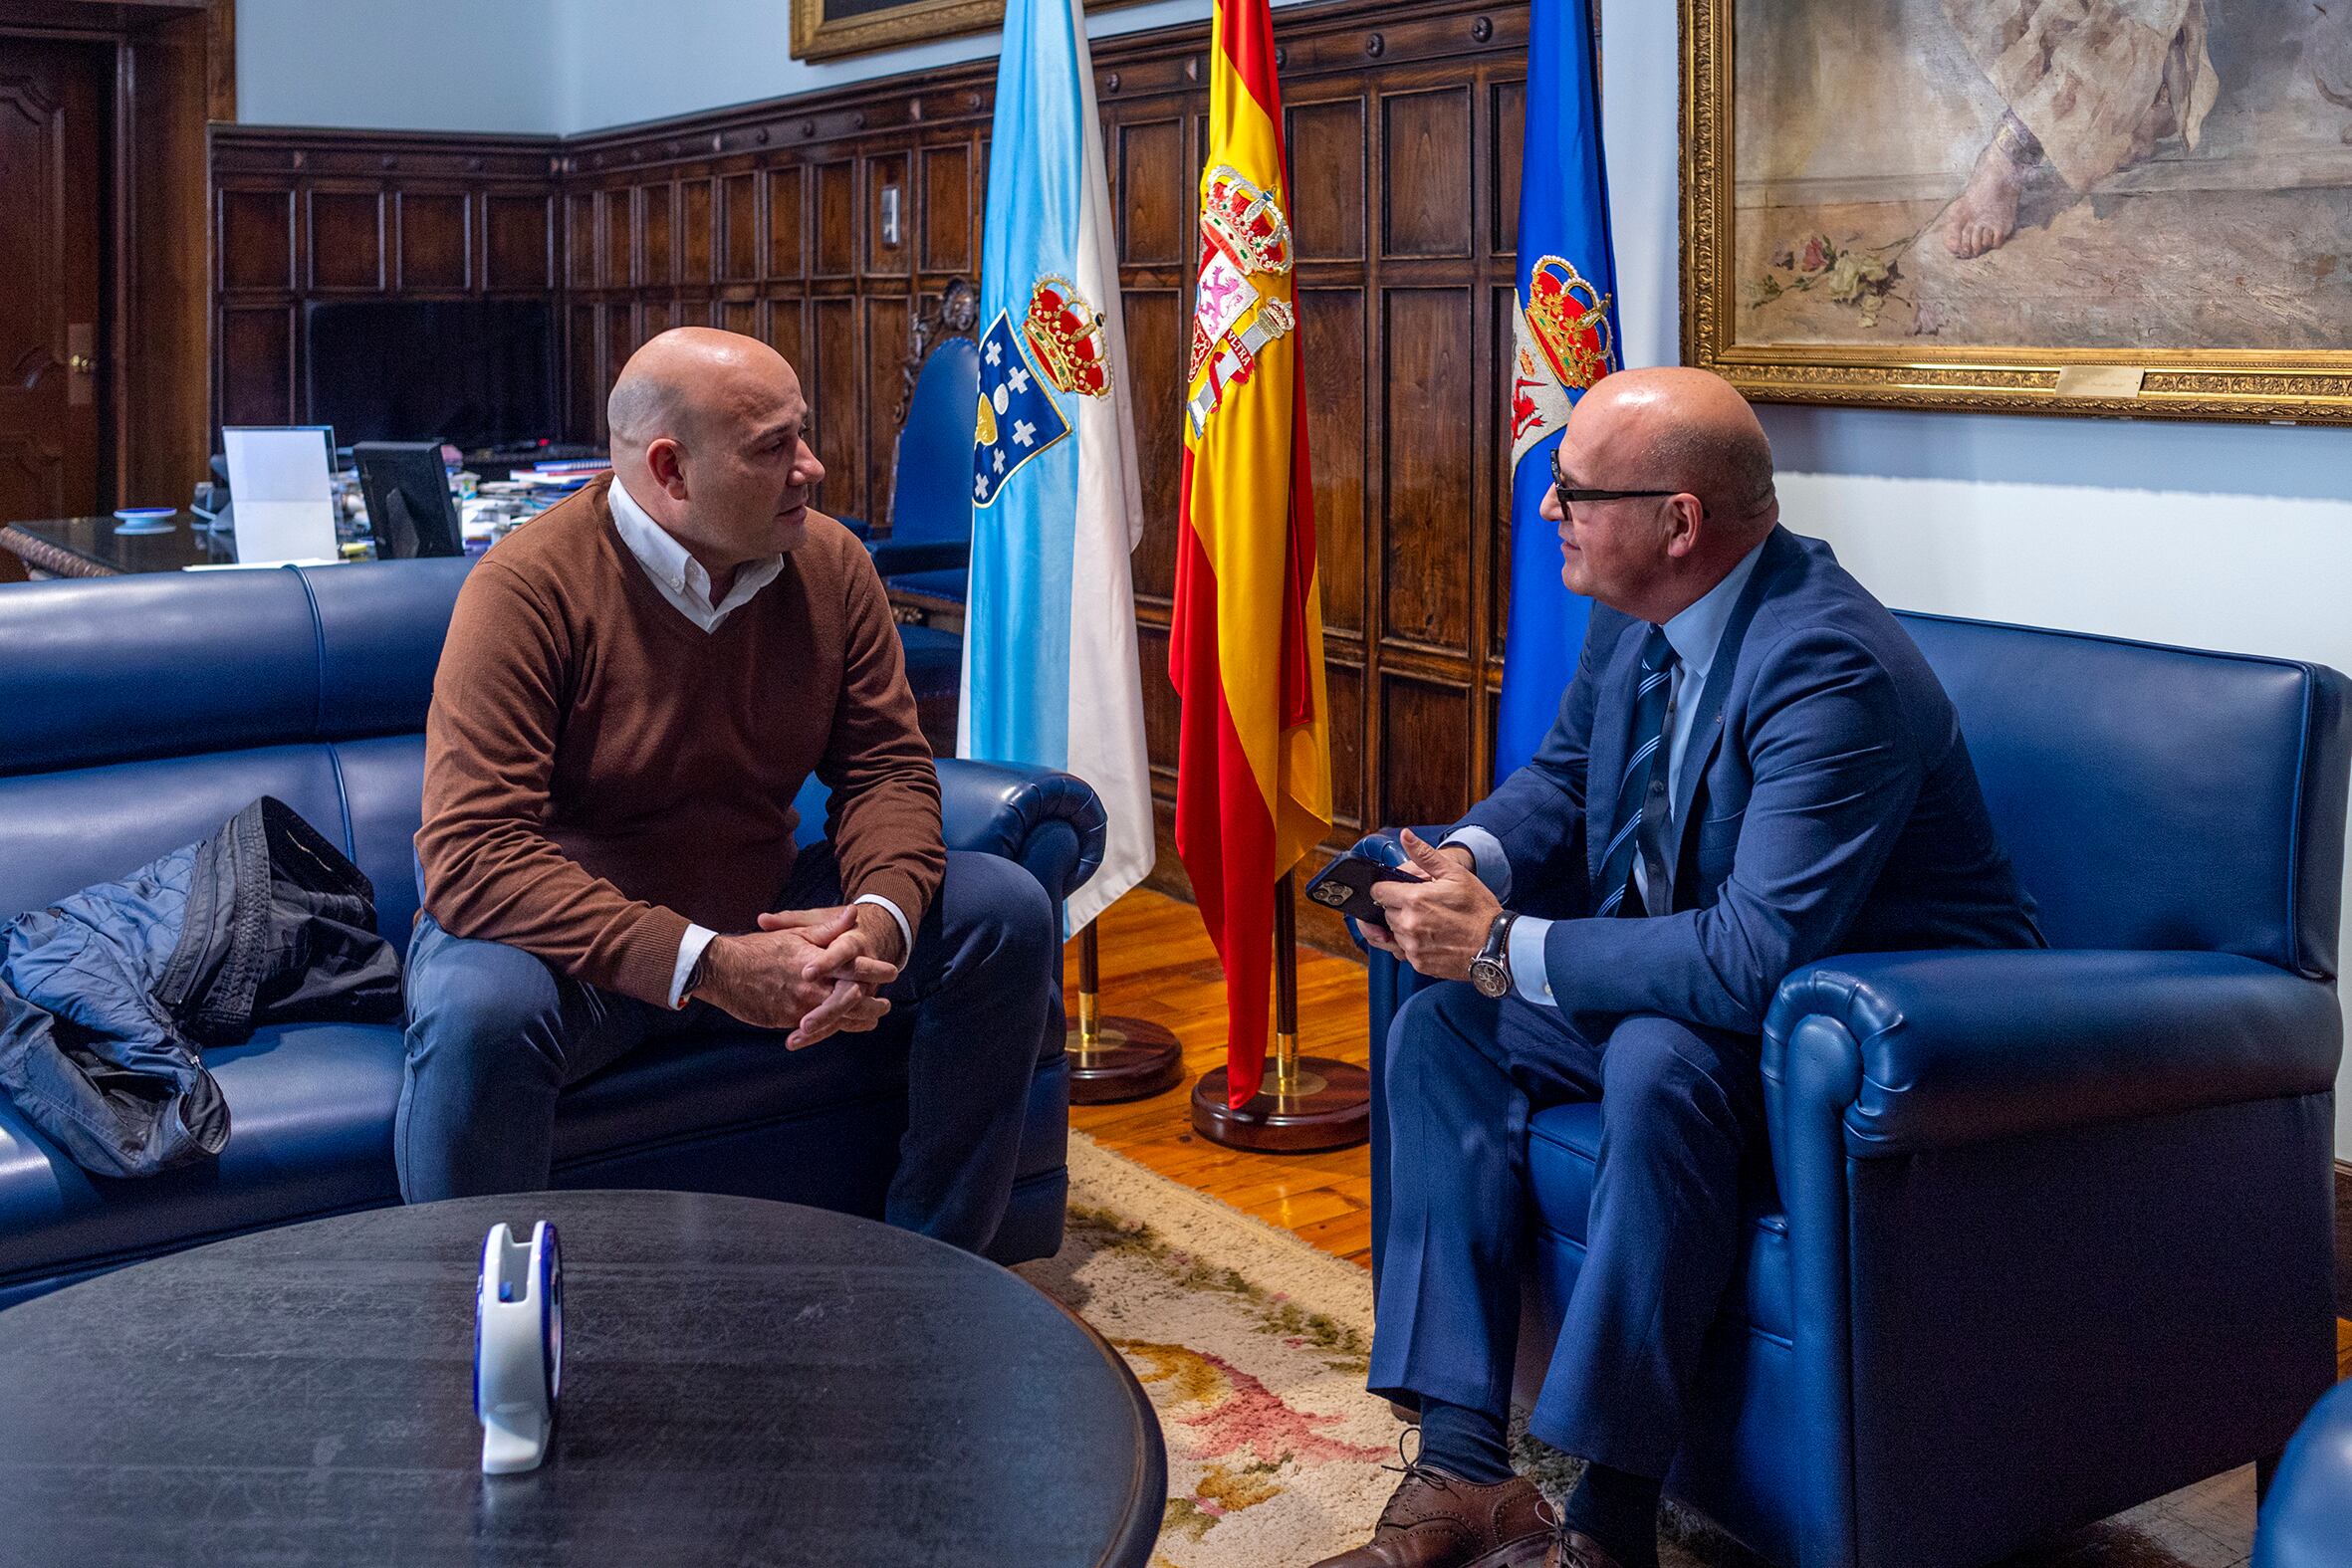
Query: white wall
x,y
414,65
2217,536
622,65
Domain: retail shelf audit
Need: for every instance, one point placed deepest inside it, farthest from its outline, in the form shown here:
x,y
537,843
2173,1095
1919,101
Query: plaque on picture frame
x,y
825,29
2067,206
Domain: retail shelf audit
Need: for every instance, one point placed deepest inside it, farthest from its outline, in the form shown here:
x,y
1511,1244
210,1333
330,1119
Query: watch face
x,y
1489,977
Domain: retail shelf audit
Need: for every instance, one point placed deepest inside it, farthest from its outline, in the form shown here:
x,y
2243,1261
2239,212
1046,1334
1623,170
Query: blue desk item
x,y
144,711
145,520
2044,1233
517,1347
2307,1518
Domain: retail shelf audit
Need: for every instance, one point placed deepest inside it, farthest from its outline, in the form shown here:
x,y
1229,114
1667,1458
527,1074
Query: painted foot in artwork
x,y
1985,214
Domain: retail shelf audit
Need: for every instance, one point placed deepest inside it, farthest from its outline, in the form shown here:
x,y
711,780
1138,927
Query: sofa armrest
x,y
1967,1046
896,559
1051,822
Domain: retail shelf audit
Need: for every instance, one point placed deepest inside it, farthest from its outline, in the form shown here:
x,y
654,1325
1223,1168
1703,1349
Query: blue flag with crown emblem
x,y
1052,675
1564,338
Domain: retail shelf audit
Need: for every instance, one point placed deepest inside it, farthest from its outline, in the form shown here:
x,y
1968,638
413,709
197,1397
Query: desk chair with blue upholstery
x,y
2046,1234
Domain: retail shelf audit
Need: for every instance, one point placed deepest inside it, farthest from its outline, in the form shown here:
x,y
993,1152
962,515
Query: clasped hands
x,y
811,971
1438,922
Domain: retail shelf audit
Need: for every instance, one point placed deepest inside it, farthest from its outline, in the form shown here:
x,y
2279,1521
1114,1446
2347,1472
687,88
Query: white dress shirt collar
x,y
675,572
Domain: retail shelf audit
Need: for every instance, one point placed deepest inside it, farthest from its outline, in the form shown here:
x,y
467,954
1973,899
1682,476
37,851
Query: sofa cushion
x,y
311,1133
63,832
383,787
1564,1140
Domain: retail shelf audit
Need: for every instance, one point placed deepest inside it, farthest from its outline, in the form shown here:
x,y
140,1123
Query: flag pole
x,y
1306,1103
1114,1058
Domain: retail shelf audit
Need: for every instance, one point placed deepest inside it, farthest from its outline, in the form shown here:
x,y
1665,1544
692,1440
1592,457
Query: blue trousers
x,y
1681,1107
495,1036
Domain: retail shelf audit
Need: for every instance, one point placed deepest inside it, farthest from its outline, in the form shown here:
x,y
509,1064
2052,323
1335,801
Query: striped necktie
x,y
1644,785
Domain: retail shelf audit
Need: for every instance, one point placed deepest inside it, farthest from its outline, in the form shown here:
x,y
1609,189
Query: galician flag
x,y
1565,336
1254,761
1050,672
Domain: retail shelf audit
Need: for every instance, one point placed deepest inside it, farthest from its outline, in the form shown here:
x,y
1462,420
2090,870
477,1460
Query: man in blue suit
x,y
1753,769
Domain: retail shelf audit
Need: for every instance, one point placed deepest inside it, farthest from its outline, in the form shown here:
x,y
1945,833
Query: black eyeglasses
x,y
1568,493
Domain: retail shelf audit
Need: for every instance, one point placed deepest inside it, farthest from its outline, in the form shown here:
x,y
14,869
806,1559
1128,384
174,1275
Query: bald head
x,y
708,432
680,380
1689,430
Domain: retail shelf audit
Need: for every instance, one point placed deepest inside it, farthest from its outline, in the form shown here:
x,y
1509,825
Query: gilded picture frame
x,y
825,32
1898,214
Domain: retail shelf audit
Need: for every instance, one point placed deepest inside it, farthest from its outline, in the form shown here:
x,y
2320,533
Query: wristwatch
x,y
1490,972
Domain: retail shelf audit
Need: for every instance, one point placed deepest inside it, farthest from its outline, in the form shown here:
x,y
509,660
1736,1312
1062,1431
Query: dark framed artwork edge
x,y
814,37
2179,384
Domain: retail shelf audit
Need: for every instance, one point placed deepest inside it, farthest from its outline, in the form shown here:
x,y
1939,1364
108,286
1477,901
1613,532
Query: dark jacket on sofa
x,y
108,997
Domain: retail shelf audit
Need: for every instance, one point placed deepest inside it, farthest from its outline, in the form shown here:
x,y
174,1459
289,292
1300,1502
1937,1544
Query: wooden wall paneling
x,y
584,375
658,207
255,238
838,408
1424,755
1507,114
653,319
1425,534
617,209
788,331
1344,689
739,211
621,340
256,362
519,242
742,316
884,173
787,224
346,239
836,220
1161,712
580,240
1152,177
887,324
1495,536
1427,139
697,245
1331,349
436,240
1326,150
1156,347
947,216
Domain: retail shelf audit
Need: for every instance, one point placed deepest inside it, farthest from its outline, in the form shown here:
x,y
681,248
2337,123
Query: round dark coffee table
x,y
745,1382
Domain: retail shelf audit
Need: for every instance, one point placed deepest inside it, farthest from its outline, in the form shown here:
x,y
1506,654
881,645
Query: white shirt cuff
x,y
1528,975
1487,858
906,933
690,949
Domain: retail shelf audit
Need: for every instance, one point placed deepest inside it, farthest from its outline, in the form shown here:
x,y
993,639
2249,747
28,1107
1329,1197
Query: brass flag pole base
x,y
1114,1058
1303,1103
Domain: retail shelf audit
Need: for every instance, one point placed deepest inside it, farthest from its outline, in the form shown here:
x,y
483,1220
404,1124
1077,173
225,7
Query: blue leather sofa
x,y
141,712
2045,1233
2307,1518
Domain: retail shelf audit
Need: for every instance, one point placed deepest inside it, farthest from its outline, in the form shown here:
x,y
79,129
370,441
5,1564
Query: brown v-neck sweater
x,y
601,773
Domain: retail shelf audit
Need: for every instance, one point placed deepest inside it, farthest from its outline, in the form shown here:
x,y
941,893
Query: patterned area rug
x,y
1252,1347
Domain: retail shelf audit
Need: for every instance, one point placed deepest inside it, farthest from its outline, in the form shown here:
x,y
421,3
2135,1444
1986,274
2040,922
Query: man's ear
x,y
1685,520
667,459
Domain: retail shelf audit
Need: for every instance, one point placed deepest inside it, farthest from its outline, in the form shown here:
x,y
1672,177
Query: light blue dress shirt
x,y
1695,634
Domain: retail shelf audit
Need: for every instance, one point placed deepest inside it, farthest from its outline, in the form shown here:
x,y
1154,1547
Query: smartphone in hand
x,y
1346,884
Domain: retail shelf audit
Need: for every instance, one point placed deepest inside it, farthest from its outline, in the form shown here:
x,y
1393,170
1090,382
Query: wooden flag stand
x,y
1114,1058
1305,1103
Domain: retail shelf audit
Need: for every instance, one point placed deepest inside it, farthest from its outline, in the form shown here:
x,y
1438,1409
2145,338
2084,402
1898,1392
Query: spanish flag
x,y
1254,758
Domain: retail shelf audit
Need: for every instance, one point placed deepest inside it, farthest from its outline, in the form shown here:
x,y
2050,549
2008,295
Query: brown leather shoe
x,y
1437,1520
1576,1549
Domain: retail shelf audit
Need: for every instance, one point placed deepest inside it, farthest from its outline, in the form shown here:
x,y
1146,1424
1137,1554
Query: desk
x,y
89,546
744,1381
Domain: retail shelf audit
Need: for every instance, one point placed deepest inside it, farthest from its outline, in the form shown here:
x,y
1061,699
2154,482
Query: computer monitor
x,y
409,507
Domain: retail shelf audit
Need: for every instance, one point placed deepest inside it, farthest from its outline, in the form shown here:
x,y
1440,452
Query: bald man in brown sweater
x,y
633,690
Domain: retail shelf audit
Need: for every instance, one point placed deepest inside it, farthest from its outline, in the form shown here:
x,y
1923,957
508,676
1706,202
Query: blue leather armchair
x,y
929,546
2045,1233
141,712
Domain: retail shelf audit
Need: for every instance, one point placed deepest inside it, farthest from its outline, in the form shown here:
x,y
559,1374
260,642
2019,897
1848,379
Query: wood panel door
x,y
54,97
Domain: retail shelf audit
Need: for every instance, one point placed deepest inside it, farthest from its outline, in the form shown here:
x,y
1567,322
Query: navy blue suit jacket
x,y
1826,805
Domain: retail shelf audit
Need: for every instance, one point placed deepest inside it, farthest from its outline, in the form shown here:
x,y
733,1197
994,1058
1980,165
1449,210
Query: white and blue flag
x,y
1050,671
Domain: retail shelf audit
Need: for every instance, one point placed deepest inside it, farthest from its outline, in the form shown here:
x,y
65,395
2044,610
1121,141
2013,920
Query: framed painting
x,y
2138,207
822,29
